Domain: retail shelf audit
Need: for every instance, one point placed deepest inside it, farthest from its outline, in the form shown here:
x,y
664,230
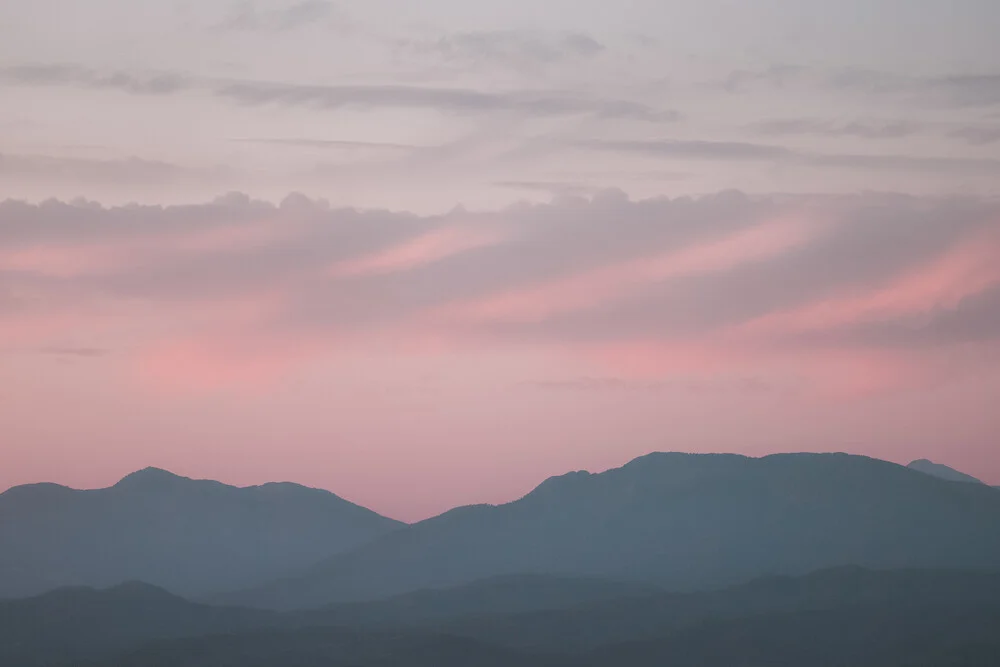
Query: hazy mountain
x,y
676,520
328,647
770,620
81,624
189,536
845,616
944,472
75,624
885,635
509,594
589,626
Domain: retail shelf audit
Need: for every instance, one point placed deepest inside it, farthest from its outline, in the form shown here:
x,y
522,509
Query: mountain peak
x,y
150,478
928,467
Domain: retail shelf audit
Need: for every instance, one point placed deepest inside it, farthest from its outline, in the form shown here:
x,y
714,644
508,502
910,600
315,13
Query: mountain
x,y
590,626
80,623
188,536
328,647
844,616
942,471
828,615
507,595
675,520
887,635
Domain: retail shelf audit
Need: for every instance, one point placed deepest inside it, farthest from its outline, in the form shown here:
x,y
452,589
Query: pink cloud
x,y
63,261
960,272
427,248
108,256
595,287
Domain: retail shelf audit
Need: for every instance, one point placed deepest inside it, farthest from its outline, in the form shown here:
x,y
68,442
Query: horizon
x,y
417,519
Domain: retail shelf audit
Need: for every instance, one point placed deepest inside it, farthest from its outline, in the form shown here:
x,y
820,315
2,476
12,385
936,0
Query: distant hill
x,y
189,536
80,623
845,616
942,471
882,636
886,635
679,521
507,595
590,626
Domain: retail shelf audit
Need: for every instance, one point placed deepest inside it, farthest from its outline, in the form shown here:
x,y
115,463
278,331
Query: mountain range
x,y
699,560
678,521
192,537
843,616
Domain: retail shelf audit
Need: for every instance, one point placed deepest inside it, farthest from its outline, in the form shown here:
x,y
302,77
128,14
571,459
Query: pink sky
x,y
413,364
534,237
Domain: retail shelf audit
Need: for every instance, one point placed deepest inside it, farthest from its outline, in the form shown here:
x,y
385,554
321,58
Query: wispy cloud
x,y
332,144
862,128
747,151
959,89
726,281
462,100
256,93
977,135
161,83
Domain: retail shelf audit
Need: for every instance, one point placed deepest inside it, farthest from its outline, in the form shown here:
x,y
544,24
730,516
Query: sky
x,y
429,254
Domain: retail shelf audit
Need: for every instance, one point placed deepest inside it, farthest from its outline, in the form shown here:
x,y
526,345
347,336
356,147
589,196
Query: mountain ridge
x,y
672,520
189,536
572,621
942,471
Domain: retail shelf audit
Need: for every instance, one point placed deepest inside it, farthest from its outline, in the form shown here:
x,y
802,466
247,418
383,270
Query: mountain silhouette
x,y
189,536
675,520
843,616
642,617
944,472
82,623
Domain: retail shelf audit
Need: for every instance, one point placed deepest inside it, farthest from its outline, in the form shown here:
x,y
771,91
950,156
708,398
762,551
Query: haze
x,y
531,237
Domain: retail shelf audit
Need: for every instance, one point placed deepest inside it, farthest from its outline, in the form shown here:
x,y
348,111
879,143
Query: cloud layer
x,y
725,276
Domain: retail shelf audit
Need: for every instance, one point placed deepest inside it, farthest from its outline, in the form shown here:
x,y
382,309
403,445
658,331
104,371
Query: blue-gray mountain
x,y
678,521
944,472
189,536
840,617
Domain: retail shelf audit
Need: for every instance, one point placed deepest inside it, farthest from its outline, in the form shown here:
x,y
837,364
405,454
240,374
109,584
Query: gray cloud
x,y
255,93
977,135
863,128
72,75
743,151
962,90
332,144
693,149
447,99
